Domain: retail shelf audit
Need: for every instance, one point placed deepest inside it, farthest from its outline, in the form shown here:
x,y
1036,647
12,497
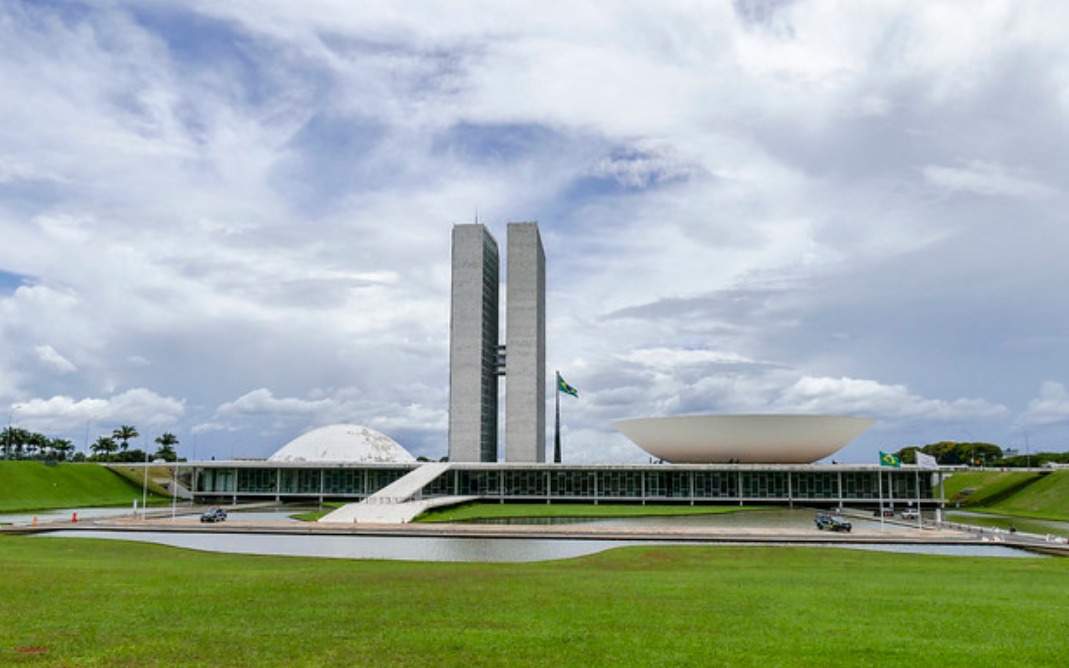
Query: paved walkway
x,y
393,504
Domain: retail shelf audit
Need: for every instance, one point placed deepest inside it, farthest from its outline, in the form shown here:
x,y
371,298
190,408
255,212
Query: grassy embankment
x,y
28,486
1033,495
84,602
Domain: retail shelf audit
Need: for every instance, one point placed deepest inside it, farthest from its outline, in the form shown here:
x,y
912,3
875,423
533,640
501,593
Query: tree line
x,y
953,453
18,443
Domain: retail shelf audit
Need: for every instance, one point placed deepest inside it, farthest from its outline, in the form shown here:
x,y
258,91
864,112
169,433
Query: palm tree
x,y
167,441
124,434
104,445
61,447
37,444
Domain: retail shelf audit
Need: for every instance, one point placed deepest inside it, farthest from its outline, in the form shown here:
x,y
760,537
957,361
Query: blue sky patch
x,y
9,281
505,142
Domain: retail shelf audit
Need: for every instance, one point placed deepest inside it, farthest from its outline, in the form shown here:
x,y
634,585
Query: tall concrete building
x,y
477,358
525,346
473,346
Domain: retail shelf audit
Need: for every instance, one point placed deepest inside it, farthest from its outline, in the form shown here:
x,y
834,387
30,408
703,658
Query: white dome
x,y
744,439
343,443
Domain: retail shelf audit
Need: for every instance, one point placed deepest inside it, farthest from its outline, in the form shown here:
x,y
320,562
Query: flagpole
x,y
556,431
879,484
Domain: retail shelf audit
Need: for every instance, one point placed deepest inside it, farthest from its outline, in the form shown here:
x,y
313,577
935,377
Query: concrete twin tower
x,y
477,359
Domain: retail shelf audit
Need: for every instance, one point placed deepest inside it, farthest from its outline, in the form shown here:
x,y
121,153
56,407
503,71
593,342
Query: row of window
x,y
622,484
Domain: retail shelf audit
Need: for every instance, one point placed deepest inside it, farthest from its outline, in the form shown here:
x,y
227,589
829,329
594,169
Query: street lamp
x,y
10,415
1027,447
7,450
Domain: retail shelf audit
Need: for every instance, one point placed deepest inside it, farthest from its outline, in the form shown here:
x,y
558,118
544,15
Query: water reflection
x,y
418,548
63,515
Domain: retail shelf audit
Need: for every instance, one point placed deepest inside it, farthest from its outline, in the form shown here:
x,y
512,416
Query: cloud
x,y
745,208
984,178
890,402
1050,407
263,402
52,359
139,406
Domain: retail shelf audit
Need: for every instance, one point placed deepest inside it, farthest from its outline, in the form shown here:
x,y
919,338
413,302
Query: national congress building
x,y
478,359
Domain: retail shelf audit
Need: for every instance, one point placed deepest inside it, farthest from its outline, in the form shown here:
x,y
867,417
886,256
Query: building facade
x,y
473,345
814,485
525,346
477,357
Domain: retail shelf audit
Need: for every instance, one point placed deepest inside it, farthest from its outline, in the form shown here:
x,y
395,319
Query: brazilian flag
x,y
887,459
565,387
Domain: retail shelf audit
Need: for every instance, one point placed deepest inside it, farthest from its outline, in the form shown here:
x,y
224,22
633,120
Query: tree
x,y
166,451
104,446
61,448
949,453
14,441
38,444
124,434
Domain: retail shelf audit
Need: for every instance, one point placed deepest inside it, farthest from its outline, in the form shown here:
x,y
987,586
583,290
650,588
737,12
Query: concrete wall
x,y
525,330
473,340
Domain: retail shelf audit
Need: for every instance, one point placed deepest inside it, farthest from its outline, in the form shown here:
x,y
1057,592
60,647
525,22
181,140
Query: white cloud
x,y
140,407
210,197
983,178
263,402
867,397
52,359
1050,407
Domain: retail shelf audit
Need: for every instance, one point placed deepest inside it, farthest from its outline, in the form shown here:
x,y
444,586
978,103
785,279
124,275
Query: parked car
x,y
829,522
213,514
910,514
884,512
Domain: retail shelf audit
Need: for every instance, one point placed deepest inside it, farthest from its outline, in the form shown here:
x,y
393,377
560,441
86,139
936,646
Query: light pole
x,y
88,422
144,489
10,414
1027,447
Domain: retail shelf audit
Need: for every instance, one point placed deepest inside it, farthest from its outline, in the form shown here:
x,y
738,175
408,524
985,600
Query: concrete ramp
x,y
394,504
389,513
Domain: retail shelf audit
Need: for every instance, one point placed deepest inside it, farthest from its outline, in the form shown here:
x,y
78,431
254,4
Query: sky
x,y
231,220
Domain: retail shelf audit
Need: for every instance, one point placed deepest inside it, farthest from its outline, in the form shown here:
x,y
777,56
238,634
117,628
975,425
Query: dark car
x,y
828,522
215,514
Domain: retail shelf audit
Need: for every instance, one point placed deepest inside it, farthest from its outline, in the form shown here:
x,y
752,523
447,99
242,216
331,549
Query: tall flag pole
x,y
567,389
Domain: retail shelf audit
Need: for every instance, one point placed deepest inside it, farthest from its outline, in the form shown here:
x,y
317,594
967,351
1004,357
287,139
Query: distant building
x,y
473,346
347,443
476,356
525,346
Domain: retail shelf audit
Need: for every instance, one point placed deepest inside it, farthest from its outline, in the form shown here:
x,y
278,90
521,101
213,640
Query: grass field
x,y
1047,498
30,485
84,602
1012,493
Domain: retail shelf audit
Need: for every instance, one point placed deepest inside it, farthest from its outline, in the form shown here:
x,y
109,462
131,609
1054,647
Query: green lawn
x,y
84,602
1047,498
31,485
1044,496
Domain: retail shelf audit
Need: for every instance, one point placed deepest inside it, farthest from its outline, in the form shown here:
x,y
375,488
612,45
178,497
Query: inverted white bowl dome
x,y
343,443
743,439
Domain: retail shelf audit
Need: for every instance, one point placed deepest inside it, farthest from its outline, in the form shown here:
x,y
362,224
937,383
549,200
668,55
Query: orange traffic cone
x,y
74,518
